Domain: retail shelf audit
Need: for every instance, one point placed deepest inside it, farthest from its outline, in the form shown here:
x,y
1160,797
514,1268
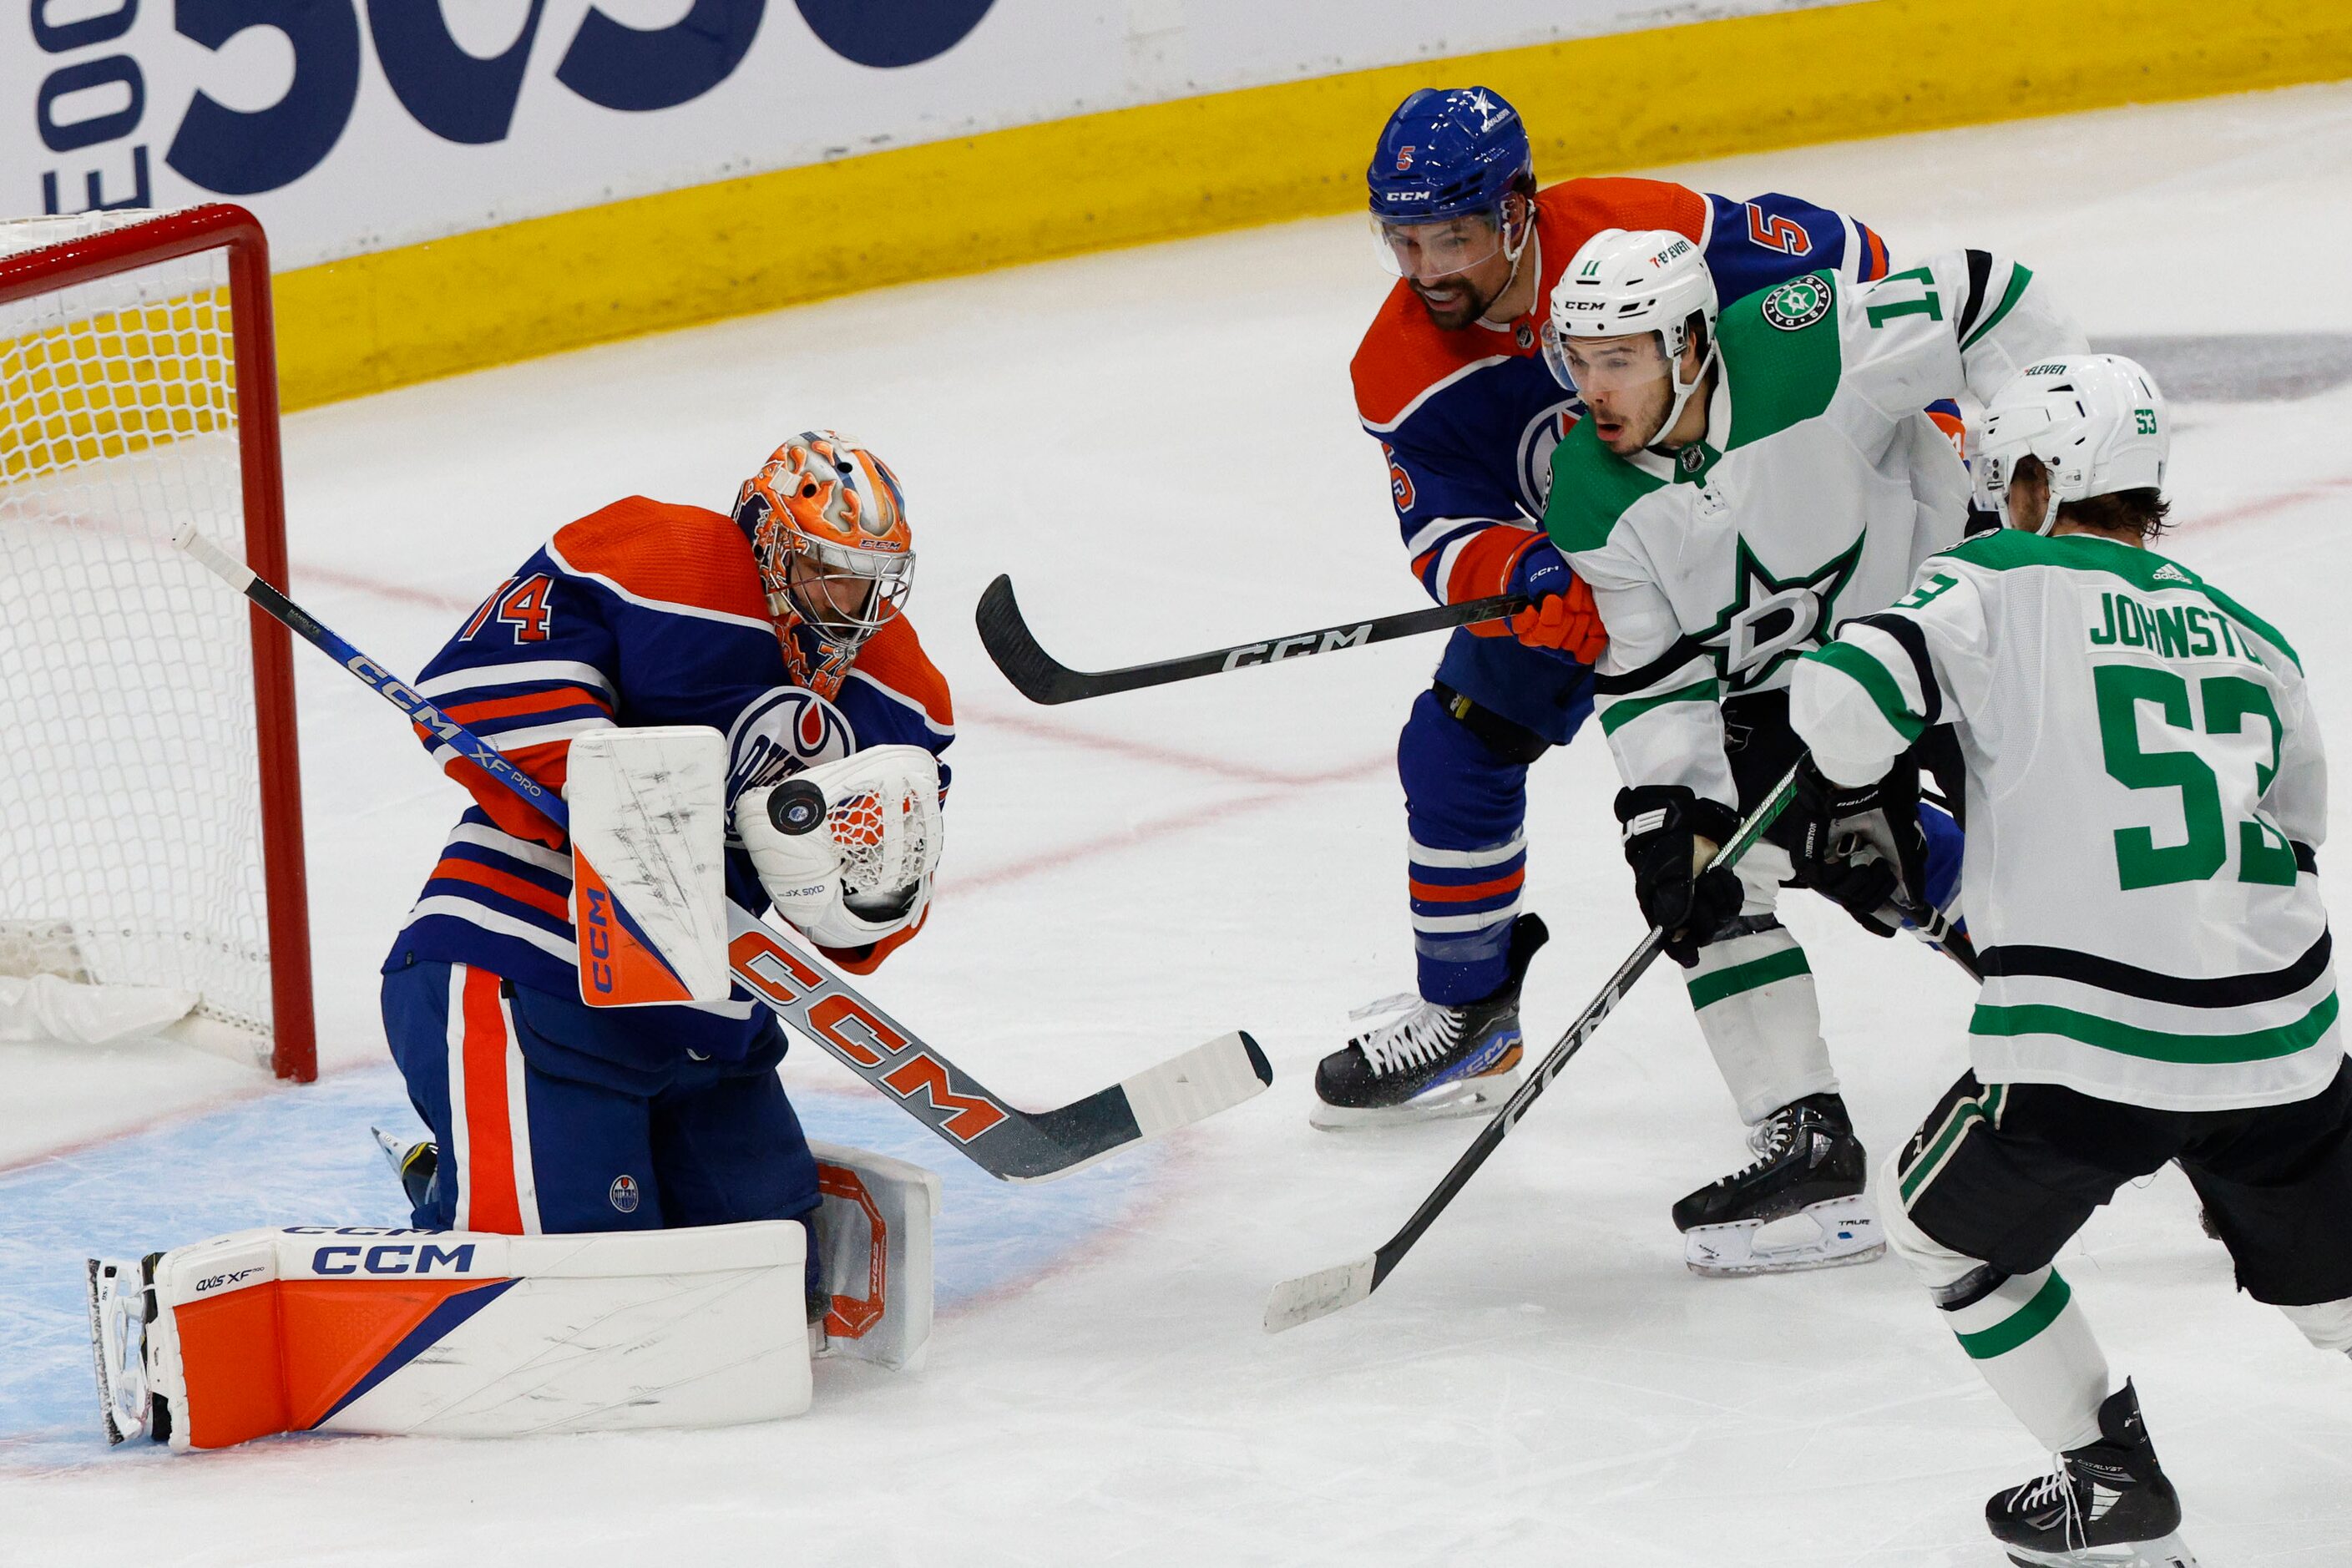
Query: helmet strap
x,y
1682,390
2050,513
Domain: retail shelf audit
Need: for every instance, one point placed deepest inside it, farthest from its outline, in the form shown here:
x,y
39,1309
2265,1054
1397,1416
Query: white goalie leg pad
x,y
864,873
874,1230
459,1333
649,865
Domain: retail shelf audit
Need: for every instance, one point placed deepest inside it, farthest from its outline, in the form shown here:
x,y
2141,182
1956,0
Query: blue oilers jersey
x,y
1467,419
641,613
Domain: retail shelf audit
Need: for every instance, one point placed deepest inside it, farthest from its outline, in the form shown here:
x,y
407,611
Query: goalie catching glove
x,y
857,881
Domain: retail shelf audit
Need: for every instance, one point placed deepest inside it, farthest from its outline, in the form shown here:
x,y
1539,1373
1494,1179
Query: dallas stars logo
x,y
1771,620
1797,304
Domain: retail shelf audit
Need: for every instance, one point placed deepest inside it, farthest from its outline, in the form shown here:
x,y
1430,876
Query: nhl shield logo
x,y
1797,304
1692,459
623,1194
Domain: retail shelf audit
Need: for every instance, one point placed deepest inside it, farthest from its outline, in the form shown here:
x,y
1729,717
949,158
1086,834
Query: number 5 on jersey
x,y
521,605
2226,702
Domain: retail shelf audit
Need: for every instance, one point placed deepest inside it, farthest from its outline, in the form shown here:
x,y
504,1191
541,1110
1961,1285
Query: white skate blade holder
x,y
1829,1235
2168,1552
1462,1096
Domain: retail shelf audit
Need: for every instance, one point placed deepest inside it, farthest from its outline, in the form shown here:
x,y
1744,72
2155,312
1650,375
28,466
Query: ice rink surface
x,y
1158,445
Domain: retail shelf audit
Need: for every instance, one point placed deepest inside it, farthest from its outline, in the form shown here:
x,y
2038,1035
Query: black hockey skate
x,y
1799,1205
2108,1505
1431,1060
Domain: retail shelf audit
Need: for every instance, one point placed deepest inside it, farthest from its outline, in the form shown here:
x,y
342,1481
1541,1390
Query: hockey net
x,y
151,856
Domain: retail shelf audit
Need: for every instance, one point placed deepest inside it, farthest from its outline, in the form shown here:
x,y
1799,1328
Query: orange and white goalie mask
x,y
827,524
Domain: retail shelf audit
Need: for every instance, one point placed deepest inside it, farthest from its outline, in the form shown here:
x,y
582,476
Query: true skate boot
x,y
1431,1061
2107,1504
1799,1205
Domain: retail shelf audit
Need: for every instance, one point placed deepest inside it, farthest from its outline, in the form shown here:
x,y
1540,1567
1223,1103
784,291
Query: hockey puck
x,y
795,806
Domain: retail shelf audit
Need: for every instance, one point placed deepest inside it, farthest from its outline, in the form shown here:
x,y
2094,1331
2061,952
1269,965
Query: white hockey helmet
x,y
2096,422
1625,283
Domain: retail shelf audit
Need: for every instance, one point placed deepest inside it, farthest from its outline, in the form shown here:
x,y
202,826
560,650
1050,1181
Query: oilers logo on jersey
x,y
786,732
1544,433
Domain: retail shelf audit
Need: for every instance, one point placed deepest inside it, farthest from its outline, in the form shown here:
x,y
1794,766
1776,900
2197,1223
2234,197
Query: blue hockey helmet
x,y
1447,153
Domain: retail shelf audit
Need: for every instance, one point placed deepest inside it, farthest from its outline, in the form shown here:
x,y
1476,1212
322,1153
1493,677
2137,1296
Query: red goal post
x,y
154,840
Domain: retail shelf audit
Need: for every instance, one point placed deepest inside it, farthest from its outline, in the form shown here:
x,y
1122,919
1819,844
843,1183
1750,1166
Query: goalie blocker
x,y
471,1334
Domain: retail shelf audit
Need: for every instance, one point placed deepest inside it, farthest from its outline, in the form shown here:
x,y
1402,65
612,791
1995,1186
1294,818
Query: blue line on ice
x,y
304,1157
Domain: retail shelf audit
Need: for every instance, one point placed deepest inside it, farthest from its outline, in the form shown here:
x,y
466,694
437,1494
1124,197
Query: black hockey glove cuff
x,y
1663,824
1859,846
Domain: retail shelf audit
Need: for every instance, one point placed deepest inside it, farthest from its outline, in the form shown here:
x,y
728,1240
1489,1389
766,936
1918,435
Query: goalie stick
x,y
1324,1291
1041,677
1009,1143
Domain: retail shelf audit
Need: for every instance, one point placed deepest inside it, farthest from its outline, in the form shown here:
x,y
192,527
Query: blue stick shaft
x,y
391,688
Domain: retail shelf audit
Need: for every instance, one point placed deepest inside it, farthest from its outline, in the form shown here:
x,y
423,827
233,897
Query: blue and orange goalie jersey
x,y
640,614
1467,419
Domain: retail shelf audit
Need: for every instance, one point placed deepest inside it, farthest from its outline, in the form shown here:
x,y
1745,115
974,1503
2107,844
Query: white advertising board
x,y
355,125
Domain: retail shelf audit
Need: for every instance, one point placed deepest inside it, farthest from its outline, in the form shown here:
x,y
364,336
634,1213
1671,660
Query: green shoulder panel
x,y
1592,487
2008,548
1781,350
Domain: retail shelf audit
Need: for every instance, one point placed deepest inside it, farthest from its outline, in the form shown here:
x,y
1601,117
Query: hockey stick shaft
x,y
1313,1296
1041,677
1009,1143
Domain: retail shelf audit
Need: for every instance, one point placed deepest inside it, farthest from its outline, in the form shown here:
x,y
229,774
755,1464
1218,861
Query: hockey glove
x,y
1670,834
858,883
1560,616
1859,846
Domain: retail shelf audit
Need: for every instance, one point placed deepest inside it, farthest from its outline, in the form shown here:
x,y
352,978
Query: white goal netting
x,y
130,815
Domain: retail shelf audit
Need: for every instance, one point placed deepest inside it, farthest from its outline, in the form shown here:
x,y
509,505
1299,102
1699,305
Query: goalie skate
x,y
1431,1061
119,1307
1799,1205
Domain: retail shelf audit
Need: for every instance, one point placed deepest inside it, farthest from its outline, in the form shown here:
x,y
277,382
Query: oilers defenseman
x,y
1453,382
781,627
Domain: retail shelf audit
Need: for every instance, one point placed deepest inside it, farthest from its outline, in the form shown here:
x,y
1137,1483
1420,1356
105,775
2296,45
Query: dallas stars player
x,y
1745,480
2145,788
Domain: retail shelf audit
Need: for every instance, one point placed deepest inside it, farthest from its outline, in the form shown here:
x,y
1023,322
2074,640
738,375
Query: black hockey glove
x,y
1859,846
1663,824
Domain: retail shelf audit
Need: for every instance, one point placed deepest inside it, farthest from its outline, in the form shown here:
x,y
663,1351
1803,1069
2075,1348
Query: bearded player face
x,y
1458,266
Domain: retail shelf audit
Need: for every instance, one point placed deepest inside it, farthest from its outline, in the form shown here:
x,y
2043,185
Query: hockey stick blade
x,y
1010,1144
1318,1295
1041,677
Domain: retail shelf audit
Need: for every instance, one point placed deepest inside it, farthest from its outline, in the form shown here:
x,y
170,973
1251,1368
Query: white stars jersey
x,y
1818,490
2145,791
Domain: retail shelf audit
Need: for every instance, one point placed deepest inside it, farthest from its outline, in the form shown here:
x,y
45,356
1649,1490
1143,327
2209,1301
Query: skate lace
x,y
1768,1140
2057,1487
1425,1030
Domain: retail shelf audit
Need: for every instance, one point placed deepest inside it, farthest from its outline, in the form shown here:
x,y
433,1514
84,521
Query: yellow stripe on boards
x,y
1876,67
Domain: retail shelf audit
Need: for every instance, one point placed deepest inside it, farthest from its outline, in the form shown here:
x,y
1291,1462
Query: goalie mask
x,y
828,527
